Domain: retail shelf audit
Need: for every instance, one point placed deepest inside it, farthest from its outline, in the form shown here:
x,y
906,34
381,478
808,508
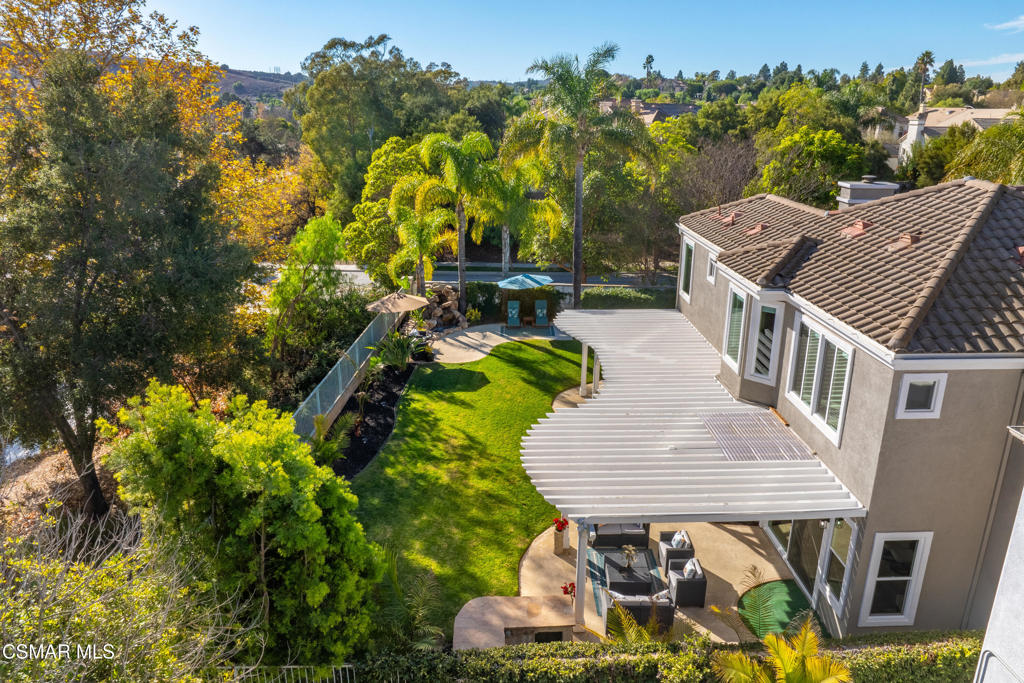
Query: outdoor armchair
x,y
666,553
686,592
540,307
513,315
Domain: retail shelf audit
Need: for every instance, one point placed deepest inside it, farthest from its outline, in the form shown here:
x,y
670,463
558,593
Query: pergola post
x,y
583,371
597,374
582,538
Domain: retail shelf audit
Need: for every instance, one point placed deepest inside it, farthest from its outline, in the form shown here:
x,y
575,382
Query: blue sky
x,y
499,40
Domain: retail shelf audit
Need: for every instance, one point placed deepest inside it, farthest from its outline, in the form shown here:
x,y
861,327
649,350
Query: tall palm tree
x,y
462,169
648,64
419,209
795,659
572,124
505,201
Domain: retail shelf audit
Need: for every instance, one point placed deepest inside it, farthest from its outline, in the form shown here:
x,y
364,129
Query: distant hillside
x,y
257,84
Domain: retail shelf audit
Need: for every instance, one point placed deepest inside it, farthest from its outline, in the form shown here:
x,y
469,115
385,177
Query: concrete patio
x,y
725,552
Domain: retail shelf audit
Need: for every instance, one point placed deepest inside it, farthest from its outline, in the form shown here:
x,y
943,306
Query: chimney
x,y
635,105
867,189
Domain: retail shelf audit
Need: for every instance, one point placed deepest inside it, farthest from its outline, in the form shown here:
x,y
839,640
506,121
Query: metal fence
x,y
344,372
290,674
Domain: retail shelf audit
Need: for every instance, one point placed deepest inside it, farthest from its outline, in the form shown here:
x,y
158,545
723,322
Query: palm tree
x,y
505,201
572,124
925,62
463,171
996,154
648,63
795,660
419,210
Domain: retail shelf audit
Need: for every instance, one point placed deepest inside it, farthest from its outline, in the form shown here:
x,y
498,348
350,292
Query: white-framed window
x,y
836,574
686,270
920,396
819,377
712,268
895,574
765,342
732,339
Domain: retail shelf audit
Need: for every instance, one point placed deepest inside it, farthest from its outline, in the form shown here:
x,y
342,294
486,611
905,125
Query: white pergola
x,y
663,441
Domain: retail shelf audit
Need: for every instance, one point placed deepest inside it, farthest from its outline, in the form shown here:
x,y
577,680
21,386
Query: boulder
x,y
430,324
449,305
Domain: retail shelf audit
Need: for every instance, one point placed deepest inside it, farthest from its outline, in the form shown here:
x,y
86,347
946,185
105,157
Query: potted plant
x,y
561,524
629,552
570,590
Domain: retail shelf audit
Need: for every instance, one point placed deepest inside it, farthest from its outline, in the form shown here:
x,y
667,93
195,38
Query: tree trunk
x,y
460,212
506,257
421,284
577,237
81,458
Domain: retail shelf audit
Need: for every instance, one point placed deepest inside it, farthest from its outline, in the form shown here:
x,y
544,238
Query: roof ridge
x,y
900,196
796,205
767,244
919,309
795,248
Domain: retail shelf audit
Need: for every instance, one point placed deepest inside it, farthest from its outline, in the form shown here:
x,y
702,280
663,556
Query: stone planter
x,y
559,542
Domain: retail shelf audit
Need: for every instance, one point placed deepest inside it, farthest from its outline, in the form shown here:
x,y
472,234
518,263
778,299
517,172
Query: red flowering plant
x,y
560,523
570,590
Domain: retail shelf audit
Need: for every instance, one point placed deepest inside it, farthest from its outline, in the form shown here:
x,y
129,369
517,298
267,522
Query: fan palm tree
x,y
794,660
572,124
505,201
648,65
419,209
463,172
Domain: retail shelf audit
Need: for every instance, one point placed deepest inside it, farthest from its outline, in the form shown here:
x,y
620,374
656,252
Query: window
x,y
838,556
895,575
920,396
686,270
763,352
819,376
712,268
734,327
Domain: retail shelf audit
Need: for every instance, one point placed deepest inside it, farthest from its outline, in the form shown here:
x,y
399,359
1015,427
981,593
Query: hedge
x,y
621,297
489,299
929,657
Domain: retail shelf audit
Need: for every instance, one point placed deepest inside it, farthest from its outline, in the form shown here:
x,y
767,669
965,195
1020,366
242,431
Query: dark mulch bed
x,y
370,433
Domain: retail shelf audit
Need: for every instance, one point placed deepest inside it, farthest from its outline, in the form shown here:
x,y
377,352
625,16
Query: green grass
x,y
447,491
787,602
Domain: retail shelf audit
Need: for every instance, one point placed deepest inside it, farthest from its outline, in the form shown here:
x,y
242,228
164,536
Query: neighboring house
x,y
649,112
930,123
890,337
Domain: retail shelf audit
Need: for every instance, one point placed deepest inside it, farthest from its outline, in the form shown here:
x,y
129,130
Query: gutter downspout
x,y
997,489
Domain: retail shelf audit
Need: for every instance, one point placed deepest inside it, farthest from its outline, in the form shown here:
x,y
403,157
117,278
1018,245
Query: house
x,y
930,123
649,112
889,336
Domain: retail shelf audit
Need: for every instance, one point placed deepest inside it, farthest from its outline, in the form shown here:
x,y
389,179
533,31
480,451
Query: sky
x,y
487,40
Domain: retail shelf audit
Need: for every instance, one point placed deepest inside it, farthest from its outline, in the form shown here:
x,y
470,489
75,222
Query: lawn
x,y
447,491
787,602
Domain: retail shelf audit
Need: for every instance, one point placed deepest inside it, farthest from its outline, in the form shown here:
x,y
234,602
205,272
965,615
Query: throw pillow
x,y
690,570
616,596
677,540
663,595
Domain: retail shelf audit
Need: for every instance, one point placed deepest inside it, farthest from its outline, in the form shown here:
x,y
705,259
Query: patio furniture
x,y
686,592
634,580
540,307
642,606
667,553
618,535
513,316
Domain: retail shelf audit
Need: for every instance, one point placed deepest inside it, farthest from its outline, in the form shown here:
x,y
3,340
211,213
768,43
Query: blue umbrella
x,y
525,281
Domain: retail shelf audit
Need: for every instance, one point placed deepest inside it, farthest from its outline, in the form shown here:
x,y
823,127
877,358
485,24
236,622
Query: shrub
x,y
952,659
621,297
472,315
395,350
527,297
486,298
246,499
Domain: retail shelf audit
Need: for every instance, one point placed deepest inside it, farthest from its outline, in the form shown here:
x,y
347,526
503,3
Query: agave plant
x,y
794,660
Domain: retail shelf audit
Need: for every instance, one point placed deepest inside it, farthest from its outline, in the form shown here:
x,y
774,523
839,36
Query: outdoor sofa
x,y
618,535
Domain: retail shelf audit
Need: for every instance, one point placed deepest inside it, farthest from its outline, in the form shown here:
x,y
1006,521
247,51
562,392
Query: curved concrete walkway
x,y
475,342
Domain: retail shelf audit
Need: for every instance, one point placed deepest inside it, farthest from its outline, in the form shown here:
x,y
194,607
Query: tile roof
x,y
933,270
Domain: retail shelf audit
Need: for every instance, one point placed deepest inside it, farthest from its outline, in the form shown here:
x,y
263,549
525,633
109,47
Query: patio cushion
x,y
678,539
691,570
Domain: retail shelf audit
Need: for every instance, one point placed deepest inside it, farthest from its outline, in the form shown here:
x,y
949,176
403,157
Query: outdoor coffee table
x,y
635,580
